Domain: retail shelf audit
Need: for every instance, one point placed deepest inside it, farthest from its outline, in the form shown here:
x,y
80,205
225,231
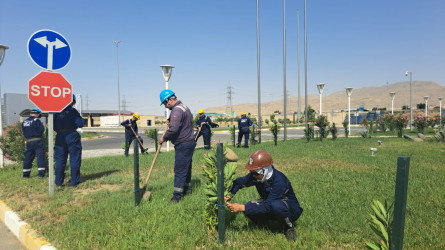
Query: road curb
x,y
29,238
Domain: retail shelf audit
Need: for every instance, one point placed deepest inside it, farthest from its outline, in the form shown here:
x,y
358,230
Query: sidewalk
x,y
14,226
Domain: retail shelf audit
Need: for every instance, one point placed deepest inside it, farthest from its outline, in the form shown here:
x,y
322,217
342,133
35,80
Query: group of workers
x,y
277,198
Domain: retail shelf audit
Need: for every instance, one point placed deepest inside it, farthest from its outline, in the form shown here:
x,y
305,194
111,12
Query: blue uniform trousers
x,y
68,143
183,169
131,138
33,149
244,131
281,211
206,137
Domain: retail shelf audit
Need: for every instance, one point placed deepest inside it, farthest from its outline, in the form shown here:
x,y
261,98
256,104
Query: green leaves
x,y
380,222
210,188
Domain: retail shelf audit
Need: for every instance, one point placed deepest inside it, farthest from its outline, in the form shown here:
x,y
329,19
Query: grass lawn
x,y
89,134
335,182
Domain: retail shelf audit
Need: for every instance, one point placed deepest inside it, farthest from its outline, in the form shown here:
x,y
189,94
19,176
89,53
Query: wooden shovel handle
x,y
136,137
154,160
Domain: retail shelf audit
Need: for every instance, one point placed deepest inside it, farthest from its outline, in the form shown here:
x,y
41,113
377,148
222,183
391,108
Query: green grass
x,y
89,134
335,182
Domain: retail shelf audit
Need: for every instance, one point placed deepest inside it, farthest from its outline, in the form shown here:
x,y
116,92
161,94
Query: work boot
x,y
238,145
145,151
291,234
173,200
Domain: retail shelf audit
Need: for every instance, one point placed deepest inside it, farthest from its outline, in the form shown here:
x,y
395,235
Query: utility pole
x,y
229,100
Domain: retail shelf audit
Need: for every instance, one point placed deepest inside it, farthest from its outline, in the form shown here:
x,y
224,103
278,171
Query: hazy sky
x,y
350,44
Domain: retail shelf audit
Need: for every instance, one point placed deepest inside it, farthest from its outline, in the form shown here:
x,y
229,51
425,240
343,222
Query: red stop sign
x,y
50,91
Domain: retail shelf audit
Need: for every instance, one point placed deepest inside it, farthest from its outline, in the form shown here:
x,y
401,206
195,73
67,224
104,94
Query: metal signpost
x,y
48,90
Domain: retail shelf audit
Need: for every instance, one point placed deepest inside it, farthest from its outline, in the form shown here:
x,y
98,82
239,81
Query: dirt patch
x,y
109,187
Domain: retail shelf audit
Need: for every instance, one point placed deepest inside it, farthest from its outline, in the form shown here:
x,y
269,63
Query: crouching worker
x,y
278,201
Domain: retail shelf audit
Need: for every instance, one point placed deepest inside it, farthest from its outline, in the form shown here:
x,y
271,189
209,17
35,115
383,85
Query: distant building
x,y
12,105
15,107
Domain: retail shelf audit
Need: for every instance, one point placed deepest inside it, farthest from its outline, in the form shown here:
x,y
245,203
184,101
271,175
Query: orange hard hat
x,y
259,159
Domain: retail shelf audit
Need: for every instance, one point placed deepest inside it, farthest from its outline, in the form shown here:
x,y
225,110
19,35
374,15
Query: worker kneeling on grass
x,y
278,201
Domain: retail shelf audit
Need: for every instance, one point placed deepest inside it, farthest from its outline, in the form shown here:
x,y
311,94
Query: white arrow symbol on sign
x,y
50,45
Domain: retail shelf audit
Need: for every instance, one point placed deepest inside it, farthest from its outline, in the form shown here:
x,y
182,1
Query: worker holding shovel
x,y
131,131
180,133
204,123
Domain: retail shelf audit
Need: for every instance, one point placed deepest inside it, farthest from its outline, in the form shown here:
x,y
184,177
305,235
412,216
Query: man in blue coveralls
x,y
132,134
204,123
68,142
180,133
278,201
33,131
243,125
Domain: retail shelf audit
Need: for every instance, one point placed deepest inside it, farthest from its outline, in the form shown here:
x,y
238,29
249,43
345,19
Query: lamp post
x,y
258,67
349,92
425,98
392,95
3,49
167,72
118,88
440,111
410,99
320,87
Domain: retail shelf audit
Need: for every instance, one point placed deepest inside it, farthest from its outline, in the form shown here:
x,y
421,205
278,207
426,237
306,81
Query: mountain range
x,y
368,97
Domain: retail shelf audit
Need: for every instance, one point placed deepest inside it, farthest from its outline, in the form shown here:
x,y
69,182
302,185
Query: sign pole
x,y
51,153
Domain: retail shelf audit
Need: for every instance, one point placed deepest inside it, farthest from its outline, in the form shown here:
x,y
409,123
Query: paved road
x,y
114,140
8,239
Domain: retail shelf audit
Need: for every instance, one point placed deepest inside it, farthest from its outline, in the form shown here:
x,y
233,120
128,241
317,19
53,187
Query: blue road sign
x,y
49,49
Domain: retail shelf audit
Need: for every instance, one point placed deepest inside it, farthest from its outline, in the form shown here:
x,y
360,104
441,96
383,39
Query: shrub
x,y
345,126
309,132
322,123
389,121
12,143
275,129
380,222
431,122
420,122
209,169
152,133
400,123
333,131
253,135
381,124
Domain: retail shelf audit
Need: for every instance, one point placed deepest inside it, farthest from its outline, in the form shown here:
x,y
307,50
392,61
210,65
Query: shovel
x,y
145,150
145,193
197,134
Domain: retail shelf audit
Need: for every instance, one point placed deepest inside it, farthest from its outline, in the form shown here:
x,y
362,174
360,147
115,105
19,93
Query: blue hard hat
x,y
36,110
165,94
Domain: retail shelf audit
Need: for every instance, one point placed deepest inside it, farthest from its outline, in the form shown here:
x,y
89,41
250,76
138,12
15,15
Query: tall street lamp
x,y
320,87
349,92
392,95
258,67
3,49
440,111
426,105
118,88
167,72
410,99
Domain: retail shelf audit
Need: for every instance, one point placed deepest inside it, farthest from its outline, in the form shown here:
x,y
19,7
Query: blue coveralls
x,y
129,133
205,130
243,125
68,142
33,131
278,200
180,133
